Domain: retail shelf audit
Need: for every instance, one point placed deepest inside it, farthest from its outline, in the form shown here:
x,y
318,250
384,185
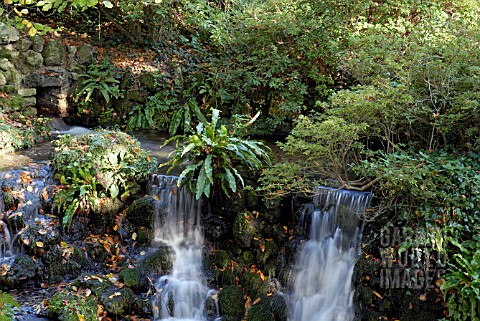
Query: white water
x,y
323,288
181,295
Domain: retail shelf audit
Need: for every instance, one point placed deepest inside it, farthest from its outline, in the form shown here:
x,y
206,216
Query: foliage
x,y
18,128
95,167
462,281
73,306
95,92
7,303
214,152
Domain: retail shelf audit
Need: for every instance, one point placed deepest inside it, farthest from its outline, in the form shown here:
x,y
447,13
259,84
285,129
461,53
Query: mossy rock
x,y
269,308
141,212
225,277
68,305
253,285
131,277
231,303
22,272
156,262
117,301
221,259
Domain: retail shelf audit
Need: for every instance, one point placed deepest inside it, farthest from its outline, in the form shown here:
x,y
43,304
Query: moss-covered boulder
x,y
253,284
156,262
131,277
231,303
54,53
68,305
100,171
269,308
21,272
245,227
117,301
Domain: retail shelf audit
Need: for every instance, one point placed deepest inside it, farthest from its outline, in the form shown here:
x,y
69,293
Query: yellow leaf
x,y
115,227
422,297
378,294
39,244
134,236
74,288
81,317
88,292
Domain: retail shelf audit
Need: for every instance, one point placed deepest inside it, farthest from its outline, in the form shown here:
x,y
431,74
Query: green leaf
x,y
188,148
114,190
200,185
175,122
231,180
208,168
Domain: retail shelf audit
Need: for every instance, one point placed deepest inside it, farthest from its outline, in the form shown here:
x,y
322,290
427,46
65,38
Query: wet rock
x,y
141,212
156,262
231,303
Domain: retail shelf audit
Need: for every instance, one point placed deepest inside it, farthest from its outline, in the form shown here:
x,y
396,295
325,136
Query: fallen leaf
x,y
39,244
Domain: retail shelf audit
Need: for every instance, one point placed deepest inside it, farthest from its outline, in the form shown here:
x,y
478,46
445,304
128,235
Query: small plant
x,y
96,167
7,303
214,152
98,81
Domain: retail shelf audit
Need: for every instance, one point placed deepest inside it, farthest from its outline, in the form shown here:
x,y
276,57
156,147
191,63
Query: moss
x,y
253,285
231,303
260,312
221,259
225,277
156,262
130,277
244,228
117,301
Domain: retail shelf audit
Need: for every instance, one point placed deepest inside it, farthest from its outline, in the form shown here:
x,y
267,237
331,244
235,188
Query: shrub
x,y
7,303
104,165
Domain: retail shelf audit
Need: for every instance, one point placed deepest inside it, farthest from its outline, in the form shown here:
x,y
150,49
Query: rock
x,y
84,55
29,61
49,77
38,43
141,212
29,101
3,80
8,52
130,277
156,262
245,228
25,92
8,34
231,303
117,301
273,308
23,44
55,53
13,76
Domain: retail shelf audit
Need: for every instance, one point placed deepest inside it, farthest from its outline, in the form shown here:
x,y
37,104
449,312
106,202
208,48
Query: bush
x,y
72,306
92,168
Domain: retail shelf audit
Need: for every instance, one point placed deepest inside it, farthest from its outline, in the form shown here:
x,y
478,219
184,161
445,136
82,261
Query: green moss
x,y
156,262
66,306
221,259
253,285
231,303
130,277
117,301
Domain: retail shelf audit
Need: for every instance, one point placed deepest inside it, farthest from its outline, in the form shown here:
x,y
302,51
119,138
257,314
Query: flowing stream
x,y
183,294
322,287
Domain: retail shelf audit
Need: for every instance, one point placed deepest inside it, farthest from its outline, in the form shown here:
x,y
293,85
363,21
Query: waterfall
x,y
322,286
181,295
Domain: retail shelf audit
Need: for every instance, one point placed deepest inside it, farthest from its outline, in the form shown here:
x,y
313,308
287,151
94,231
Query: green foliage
x,y
7,303
214,152
462,281
95,167
72,306
98,81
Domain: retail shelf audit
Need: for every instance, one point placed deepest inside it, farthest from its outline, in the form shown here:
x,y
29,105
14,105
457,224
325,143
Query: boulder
x,y
84,55
23,44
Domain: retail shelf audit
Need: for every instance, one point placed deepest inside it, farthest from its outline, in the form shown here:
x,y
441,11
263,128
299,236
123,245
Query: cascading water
x,y
181,295
322,287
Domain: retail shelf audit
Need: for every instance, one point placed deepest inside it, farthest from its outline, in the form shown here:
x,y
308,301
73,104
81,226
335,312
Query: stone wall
x,y
41,71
